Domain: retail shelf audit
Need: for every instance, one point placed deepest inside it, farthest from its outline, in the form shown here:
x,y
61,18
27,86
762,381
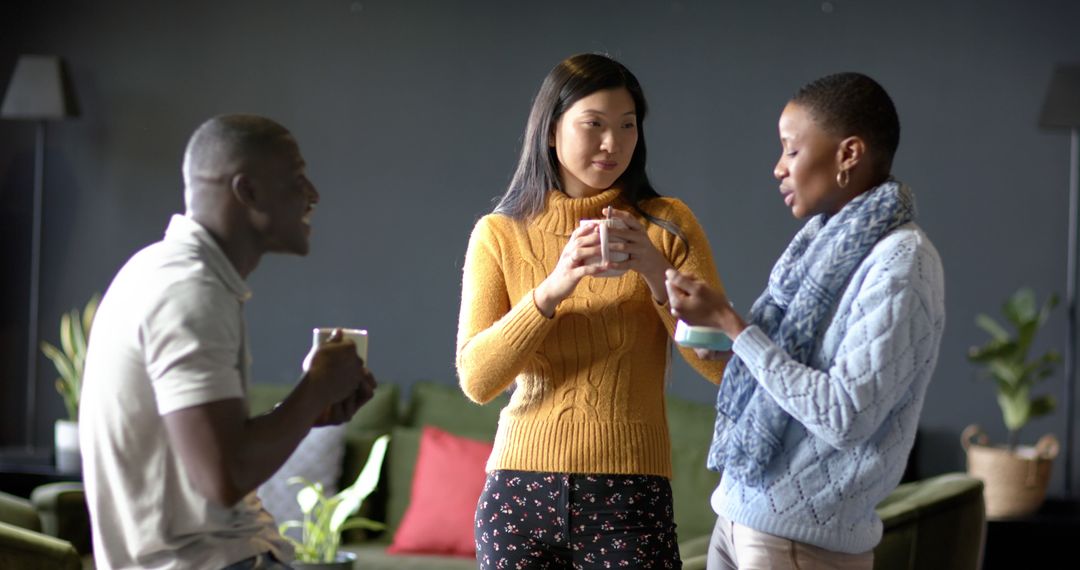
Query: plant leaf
x,y
992,327
89,312
991,350
1009,372
286,526
1042,405
1020,307
1006,358
365,483
60,361
1048,306
1016,409
78,340
66,340
70,358
361,522
307,498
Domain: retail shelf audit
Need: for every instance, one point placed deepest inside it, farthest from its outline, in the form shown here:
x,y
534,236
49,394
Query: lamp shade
x,y
1061,108
40,89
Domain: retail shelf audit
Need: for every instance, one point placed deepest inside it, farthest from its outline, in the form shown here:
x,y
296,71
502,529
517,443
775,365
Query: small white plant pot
x,y
68,458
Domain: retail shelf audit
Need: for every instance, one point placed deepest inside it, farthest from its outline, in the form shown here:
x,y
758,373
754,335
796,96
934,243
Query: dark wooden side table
x,y
1042,540
23,470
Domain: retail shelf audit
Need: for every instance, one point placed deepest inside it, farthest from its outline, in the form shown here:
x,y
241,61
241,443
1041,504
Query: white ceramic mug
x,y
605,252
322,334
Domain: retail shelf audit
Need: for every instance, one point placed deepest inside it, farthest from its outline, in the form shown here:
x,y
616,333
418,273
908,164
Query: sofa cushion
x,y
317,459
430,404
378,415
398,471
375,418
446,407
446,483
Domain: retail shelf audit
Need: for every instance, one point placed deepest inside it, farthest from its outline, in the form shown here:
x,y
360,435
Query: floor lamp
x,y
40,90
1061,109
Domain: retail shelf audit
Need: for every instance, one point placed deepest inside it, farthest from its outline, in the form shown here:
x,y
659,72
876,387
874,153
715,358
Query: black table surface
x,y
1040,540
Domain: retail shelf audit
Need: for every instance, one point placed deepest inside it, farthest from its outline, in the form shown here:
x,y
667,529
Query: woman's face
x,y
594,141
808,165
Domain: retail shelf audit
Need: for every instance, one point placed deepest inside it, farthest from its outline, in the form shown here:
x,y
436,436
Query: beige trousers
x,y
736,547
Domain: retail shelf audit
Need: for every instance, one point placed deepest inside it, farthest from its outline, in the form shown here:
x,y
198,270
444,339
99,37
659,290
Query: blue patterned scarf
x,y
804,286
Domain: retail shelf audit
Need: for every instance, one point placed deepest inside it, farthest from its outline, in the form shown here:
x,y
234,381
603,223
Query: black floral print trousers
x,y
527,520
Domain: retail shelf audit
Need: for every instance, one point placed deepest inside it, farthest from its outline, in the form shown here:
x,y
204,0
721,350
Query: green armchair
x,y
23,545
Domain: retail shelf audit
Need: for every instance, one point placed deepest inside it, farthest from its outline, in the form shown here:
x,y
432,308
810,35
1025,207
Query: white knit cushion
x,y
317,459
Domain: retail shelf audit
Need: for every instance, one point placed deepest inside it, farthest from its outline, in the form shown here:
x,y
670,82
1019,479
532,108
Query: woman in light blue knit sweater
x,y
818,408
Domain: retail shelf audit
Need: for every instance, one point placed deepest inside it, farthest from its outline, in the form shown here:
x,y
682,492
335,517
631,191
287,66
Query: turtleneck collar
x,y
562,213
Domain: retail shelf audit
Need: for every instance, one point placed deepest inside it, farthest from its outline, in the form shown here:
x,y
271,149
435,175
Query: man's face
x,y
285,199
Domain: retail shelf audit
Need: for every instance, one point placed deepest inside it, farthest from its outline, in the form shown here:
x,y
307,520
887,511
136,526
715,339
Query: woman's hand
x,y
697,304
644,258
570,269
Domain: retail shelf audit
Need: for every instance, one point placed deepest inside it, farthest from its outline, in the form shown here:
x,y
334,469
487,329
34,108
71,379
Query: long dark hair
x,y
537,171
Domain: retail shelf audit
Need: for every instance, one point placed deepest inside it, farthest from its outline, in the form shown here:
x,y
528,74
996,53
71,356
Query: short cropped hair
x,y
852,104
232,139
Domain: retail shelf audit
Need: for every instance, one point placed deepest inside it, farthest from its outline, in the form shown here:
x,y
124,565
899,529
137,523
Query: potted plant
x,y
69,360
325,518
1015,475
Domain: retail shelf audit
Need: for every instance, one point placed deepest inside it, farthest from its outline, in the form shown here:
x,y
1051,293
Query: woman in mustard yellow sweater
x,y
579,473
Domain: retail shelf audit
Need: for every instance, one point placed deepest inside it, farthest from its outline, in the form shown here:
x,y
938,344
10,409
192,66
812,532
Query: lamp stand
x,y
1070,293
35,277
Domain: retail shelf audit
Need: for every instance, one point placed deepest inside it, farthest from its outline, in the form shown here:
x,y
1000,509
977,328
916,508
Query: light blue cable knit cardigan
x,y
856,405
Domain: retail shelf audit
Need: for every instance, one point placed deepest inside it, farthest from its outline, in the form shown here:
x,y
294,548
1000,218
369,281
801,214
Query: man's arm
x,y
228,455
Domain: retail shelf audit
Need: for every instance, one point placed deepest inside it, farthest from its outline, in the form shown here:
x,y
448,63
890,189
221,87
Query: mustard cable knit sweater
x,y
590,381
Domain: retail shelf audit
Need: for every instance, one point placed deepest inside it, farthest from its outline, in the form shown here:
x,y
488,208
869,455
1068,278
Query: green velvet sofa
x,y
934,523
445,407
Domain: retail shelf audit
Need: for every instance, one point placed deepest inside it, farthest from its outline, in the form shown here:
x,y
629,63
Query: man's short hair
x,y
231,140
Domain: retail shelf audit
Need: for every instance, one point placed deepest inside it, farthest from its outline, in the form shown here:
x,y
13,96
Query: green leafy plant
x,y
1006,359
70,358
325,518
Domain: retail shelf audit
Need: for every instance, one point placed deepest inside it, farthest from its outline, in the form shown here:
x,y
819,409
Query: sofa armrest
x,y
694,552
22,548
63,512
19,512
938,522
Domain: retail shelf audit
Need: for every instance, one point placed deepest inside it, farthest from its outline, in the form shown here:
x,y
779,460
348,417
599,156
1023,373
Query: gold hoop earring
x,y
843,178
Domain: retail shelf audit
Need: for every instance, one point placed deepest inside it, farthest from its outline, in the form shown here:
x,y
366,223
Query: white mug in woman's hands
x,y
606,255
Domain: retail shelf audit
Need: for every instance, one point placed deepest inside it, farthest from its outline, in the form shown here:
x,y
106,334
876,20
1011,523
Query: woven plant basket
x,y
1015,481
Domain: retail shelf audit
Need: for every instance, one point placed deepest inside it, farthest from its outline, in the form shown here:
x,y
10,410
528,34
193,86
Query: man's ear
x,y
243,189
851,152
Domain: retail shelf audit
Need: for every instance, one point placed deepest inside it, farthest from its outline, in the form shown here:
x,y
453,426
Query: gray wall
x,y
410,115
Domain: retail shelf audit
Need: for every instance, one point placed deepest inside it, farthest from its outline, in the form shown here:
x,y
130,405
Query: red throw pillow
x,y
446,485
